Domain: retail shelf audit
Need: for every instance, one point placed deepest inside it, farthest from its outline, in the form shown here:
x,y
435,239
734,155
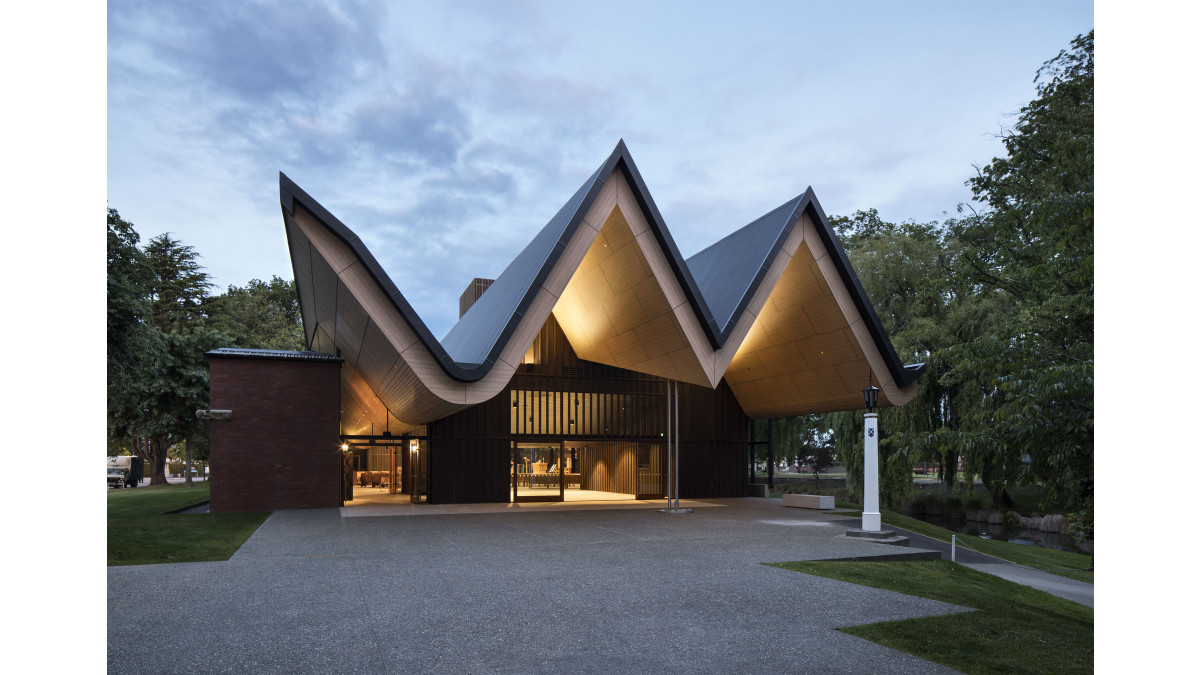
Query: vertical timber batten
x,y
557,397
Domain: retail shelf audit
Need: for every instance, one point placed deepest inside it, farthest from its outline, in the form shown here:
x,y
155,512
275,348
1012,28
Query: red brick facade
x,y
281,448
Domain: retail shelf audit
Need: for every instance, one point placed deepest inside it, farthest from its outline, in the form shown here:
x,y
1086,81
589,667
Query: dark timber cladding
x,y
557,396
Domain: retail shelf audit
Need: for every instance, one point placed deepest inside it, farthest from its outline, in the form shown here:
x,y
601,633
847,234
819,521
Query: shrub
x,y
1012,521
1082,524
842,494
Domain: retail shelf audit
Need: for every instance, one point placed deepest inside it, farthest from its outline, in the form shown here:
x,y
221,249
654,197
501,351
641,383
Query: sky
x,y
446,134
465,129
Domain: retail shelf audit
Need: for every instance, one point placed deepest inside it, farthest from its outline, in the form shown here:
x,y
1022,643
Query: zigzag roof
x,y
761,307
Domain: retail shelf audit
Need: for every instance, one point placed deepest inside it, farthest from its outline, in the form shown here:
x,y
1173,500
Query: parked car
x,y
117,476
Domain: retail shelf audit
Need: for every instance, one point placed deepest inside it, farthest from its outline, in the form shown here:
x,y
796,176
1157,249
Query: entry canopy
x,y
774,308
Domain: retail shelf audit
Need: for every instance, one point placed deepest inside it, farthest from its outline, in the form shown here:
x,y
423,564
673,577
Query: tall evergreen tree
x,y
178,286
158,375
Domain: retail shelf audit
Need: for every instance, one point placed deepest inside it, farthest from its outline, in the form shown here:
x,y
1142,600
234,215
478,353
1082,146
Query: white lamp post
x,y
871,521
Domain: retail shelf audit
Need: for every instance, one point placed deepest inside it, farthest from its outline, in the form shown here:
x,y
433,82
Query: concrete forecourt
x,y
515,588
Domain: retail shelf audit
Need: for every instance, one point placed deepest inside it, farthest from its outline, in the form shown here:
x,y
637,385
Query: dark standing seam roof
x,y
473,338
728,271
725,277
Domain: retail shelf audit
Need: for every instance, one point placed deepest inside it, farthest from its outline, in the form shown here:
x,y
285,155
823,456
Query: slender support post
x,y
770,452
672,488
871,520
750,451
669,474
953,544
676,399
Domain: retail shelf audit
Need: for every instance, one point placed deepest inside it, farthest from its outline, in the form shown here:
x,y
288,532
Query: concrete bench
x,y
808,501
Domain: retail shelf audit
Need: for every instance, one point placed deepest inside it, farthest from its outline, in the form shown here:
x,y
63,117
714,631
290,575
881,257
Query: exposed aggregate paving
x,y
595,591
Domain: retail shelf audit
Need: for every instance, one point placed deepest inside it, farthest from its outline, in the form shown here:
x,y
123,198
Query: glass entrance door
x,y
572,460
649,470
537,472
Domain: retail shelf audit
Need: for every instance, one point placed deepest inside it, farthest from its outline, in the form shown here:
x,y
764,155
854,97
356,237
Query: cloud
x,y
447,134
420,125
259,51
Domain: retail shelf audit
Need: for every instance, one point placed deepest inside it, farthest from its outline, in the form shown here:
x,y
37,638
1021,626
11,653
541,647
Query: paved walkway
x,y
609,590
1070,589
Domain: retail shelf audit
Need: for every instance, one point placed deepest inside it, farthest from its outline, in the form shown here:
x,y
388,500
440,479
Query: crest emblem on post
x,y
871,432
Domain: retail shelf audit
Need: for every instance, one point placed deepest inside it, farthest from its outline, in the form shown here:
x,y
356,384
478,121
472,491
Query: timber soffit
x,y
729,271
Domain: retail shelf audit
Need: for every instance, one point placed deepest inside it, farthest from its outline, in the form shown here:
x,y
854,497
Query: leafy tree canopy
x,y
260,315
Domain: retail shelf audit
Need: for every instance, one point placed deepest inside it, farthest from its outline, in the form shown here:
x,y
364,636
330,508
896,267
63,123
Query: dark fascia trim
x,y
620,159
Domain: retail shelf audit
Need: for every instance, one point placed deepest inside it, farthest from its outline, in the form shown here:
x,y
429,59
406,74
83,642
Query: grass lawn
x,y
1016,630
141,532
1048,559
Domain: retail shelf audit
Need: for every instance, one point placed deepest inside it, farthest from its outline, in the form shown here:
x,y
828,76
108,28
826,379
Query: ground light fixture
x,y
871,520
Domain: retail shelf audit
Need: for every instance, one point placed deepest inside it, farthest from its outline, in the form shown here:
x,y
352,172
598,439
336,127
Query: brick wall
x,y
280,450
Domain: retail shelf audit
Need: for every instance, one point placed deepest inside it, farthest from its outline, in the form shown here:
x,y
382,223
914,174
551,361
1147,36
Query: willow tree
x,y
1029,377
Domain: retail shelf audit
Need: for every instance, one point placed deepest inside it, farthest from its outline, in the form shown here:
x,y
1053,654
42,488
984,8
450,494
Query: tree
x,y
1035,245
131,339
905,269
178,387
261,315
819,458
157,374
178,285
1025,383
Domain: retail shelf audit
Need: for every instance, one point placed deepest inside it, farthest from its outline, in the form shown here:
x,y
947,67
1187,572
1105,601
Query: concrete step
x,y
880,537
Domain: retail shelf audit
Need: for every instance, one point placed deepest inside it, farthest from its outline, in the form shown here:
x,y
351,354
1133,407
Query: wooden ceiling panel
x,y
625,312
378,355
300,249
661,335
624,348
639,330
661,366
854,375
687,368
824,380
747,368
828,349
801,354
783,359
824,312
781,327
324,291
800,283
351,324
